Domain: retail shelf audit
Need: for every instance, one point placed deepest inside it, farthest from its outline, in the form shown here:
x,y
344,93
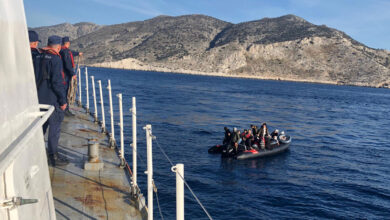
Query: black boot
x,y
68,113
58,160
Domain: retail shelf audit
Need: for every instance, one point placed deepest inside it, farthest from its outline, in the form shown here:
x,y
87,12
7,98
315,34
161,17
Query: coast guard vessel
x,y
29,189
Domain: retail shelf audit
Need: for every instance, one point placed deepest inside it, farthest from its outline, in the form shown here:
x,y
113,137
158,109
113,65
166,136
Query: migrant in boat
x,y
252,143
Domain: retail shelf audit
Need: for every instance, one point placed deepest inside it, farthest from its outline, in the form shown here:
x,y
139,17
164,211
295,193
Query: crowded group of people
x,y
252,138
54,68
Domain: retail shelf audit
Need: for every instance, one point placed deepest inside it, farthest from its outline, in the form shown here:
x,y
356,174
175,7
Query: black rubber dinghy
x,y
284,141
217,149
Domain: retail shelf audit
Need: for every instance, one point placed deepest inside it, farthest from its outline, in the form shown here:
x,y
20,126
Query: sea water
x,y
338,165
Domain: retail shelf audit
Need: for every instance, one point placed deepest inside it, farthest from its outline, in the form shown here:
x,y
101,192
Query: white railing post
x,y
102,107
94,100
87,89
122,151
112,134
133,111
179,170
79,75
149,171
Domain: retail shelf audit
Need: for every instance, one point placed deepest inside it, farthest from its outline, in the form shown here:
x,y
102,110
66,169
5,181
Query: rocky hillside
x,y
72,30
285,48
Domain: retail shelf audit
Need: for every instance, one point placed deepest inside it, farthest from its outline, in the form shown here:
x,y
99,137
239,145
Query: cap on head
x,y
33,36
53,40
276,131
65,39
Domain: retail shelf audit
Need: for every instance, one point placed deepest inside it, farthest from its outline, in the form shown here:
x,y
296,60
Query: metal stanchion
x,y
87,89
122,151
94,100
149,171
179,170
79,75
102,107
133,111
112,134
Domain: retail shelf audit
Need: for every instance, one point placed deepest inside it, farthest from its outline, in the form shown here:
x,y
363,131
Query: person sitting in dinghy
x,y
254,130
248,139
236,137
275,136
275,133
264,136
228,136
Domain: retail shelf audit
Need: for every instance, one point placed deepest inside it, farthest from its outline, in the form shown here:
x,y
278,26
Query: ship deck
x,y
82,194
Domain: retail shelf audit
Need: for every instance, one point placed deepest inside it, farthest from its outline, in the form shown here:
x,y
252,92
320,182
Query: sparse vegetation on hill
x,y
285,48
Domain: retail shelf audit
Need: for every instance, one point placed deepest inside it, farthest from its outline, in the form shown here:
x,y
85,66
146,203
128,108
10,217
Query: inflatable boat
x,y
217,149
274,147
284,143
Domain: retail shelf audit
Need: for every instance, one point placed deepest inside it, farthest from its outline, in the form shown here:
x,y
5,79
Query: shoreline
x,y
225,75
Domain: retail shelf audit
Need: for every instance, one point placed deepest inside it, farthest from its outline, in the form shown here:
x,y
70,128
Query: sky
x,y
367,21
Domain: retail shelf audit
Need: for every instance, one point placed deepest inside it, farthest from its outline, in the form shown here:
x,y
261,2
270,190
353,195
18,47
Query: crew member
x,y
68,63
52,90
35,51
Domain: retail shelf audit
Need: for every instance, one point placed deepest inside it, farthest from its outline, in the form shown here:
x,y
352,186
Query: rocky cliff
x,y
74,31
285,48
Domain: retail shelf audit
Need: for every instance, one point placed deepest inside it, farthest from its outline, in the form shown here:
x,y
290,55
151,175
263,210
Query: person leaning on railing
x,y
68,64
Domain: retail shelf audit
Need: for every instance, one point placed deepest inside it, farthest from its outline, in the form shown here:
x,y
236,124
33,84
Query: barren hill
x,y
285,48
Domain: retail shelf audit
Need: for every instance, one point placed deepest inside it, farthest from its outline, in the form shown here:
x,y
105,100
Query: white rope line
x,y
185,182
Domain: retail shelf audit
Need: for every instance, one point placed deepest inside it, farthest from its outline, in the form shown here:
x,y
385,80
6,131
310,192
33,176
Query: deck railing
x,y
178,168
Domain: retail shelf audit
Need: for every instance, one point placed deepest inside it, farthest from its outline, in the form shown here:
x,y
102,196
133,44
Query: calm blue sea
x,y
338,166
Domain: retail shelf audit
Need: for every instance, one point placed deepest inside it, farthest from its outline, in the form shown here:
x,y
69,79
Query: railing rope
x,y
133,111
103,124
87,89
94,100
112,134
185,182
122,151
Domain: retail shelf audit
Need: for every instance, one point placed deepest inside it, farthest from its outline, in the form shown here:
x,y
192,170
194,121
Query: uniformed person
x,y
68,63
35,51
52,90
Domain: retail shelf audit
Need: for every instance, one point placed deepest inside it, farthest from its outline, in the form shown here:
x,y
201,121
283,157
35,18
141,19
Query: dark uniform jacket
x,y
68,61
35,53
51,79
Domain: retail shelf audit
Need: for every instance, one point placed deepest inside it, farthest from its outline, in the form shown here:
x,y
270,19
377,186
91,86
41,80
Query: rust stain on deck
x,y
82,194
